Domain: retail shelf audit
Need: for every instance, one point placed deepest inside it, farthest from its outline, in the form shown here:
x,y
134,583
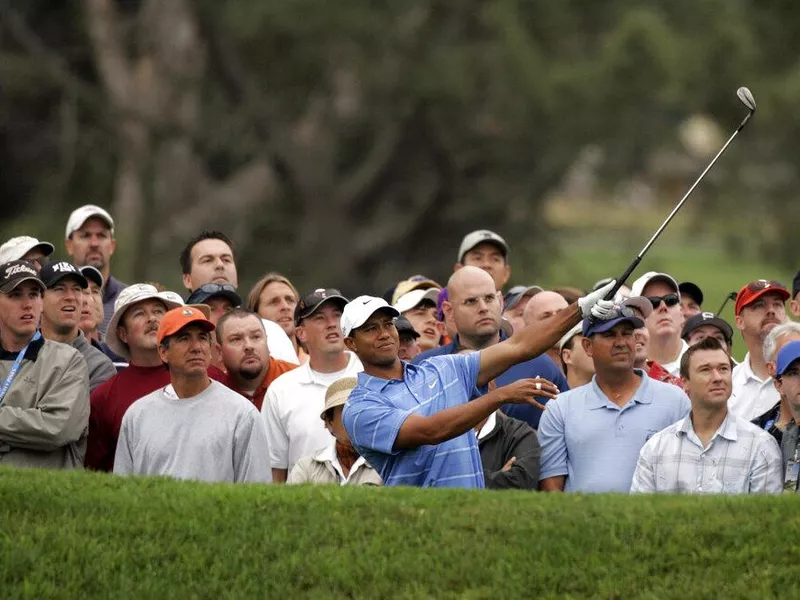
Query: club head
x,y
746,96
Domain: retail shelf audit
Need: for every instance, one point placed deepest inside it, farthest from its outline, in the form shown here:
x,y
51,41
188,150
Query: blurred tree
x,y
352,143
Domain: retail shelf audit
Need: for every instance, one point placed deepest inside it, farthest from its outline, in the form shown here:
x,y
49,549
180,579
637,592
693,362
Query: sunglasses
x,y
763,284
213,288
670,300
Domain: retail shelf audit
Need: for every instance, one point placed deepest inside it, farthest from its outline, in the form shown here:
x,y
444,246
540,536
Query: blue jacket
x,y
541,366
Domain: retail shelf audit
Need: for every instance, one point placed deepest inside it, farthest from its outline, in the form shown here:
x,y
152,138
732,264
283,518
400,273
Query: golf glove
x,y
593,305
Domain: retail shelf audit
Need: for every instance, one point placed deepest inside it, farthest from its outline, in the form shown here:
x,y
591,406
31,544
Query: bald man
x,y
541,307
474,307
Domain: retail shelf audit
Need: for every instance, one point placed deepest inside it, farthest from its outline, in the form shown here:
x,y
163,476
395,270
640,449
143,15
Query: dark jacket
x,y
507,439
540,366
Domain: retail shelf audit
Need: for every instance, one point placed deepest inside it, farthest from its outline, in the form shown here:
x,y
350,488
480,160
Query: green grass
x,y
79,535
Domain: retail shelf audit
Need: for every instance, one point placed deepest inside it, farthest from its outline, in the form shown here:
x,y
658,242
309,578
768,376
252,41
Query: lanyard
x,y
15,367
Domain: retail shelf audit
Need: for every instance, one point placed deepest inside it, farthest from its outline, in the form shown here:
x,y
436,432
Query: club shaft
x,y
621,280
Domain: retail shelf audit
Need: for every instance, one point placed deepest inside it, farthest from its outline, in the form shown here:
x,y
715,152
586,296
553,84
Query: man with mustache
x,y
44,385
710,451
295,400
132,334
63,302
760,307
242,347
194,427
591,436
90,241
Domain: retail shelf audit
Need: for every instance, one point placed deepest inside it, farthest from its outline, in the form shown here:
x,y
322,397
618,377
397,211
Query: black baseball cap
x,y
687,288
208,291
15,272
311,301
92,274
707,318
54,272
404,326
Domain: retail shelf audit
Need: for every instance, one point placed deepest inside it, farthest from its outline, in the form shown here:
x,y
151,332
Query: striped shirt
x,y
377,408
741,458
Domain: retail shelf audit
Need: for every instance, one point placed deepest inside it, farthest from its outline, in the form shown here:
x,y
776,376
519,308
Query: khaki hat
x,y
409,285
338,393
127,298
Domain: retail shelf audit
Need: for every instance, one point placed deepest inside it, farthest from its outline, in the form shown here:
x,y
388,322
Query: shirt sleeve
x,y
767,474
251,461
276,432
553,441
123,459
644,477
372,422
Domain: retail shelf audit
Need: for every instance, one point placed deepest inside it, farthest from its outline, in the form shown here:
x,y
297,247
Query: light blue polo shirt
x,y
596,443
378,407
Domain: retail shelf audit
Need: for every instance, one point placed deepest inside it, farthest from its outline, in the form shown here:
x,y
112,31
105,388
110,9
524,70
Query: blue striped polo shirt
x,y
378,407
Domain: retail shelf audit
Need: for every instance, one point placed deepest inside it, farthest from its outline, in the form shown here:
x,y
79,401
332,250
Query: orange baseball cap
x,y
178,318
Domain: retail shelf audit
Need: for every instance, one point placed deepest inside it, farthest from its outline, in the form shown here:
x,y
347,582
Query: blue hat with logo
x,y
787,355
621,314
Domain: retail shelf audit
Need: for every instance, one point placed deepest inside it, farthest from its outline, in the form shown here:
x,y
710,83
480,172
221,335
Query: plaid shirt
x,y
740,459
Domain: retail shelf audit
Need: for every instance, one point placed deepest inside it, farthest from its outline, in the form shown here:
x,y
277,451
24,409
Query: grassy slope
x,y
88,535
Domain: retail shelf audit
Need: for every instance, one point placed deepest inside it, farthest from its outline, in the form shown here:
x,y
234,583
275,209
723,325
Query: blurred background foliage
x,y
354,143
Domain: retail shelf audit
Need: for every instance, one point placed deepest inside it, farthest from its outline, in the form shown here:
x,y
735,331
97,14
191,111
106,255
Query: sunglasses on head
x,y
763,284
213,288
670,300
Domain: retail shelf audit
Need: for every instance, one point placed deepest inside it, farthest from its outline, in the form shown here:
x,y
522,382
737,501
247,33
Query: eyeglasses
x,y
763,284
670,300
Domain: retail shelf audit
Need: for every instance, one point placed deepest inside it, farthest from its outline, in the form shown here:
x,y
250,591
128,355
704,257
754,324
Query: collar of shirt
x,y
488,427
305,374
600,400
727,430
744,373
328,455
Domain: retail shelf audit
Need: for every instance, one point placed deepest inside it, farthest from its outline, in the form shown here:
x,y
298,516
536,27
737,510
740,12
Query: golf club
x,y
747,99
730,296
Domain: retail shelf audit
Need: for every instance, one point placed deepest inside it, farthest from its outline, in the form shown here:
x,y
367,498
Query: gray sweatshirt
x,y
100,366
215,436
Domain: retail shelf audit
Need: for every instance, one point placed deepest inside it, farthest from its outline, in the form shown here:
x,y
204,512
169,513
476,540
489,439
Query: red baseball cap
x,y
755,289
178,318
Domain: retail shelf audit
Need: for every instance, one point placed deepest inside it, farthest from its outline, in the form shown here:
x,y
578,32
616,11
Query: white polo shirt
x,y
750,396
292,408
674,367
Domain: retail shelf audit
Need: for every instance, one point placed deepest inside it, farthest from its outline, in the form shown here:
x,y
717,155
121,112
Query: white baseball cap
x,y
639,285
127,298
577,329
413,298
17,247
478,237
80,215
357,311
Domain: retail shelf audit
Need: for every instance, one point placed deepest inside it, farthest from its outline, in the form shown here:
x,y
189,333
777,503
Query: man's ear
x,y
447,310
586,342
794,307
350,344
162,353
457,266
739,322
68,245
187,281
300,332
122,334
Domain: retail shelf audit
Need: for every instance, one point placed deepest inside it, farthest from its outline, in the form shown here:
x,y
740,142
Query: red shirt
x,y
109,402
659,373
276,369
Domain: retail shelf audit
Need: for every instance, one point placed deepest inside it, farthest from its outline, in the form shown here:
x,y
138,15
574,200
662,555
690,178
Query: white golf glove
x,y
593,305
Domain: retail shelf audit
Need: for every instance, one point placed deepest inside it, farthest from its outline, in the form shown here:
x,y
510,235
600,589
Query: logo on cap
x,y
64,267
707,315
187,312
321,292
15,269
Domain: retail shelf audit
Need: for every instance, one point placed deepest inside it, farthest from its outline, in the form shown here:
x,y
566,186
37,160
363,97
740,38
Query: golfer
x,y
414,423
